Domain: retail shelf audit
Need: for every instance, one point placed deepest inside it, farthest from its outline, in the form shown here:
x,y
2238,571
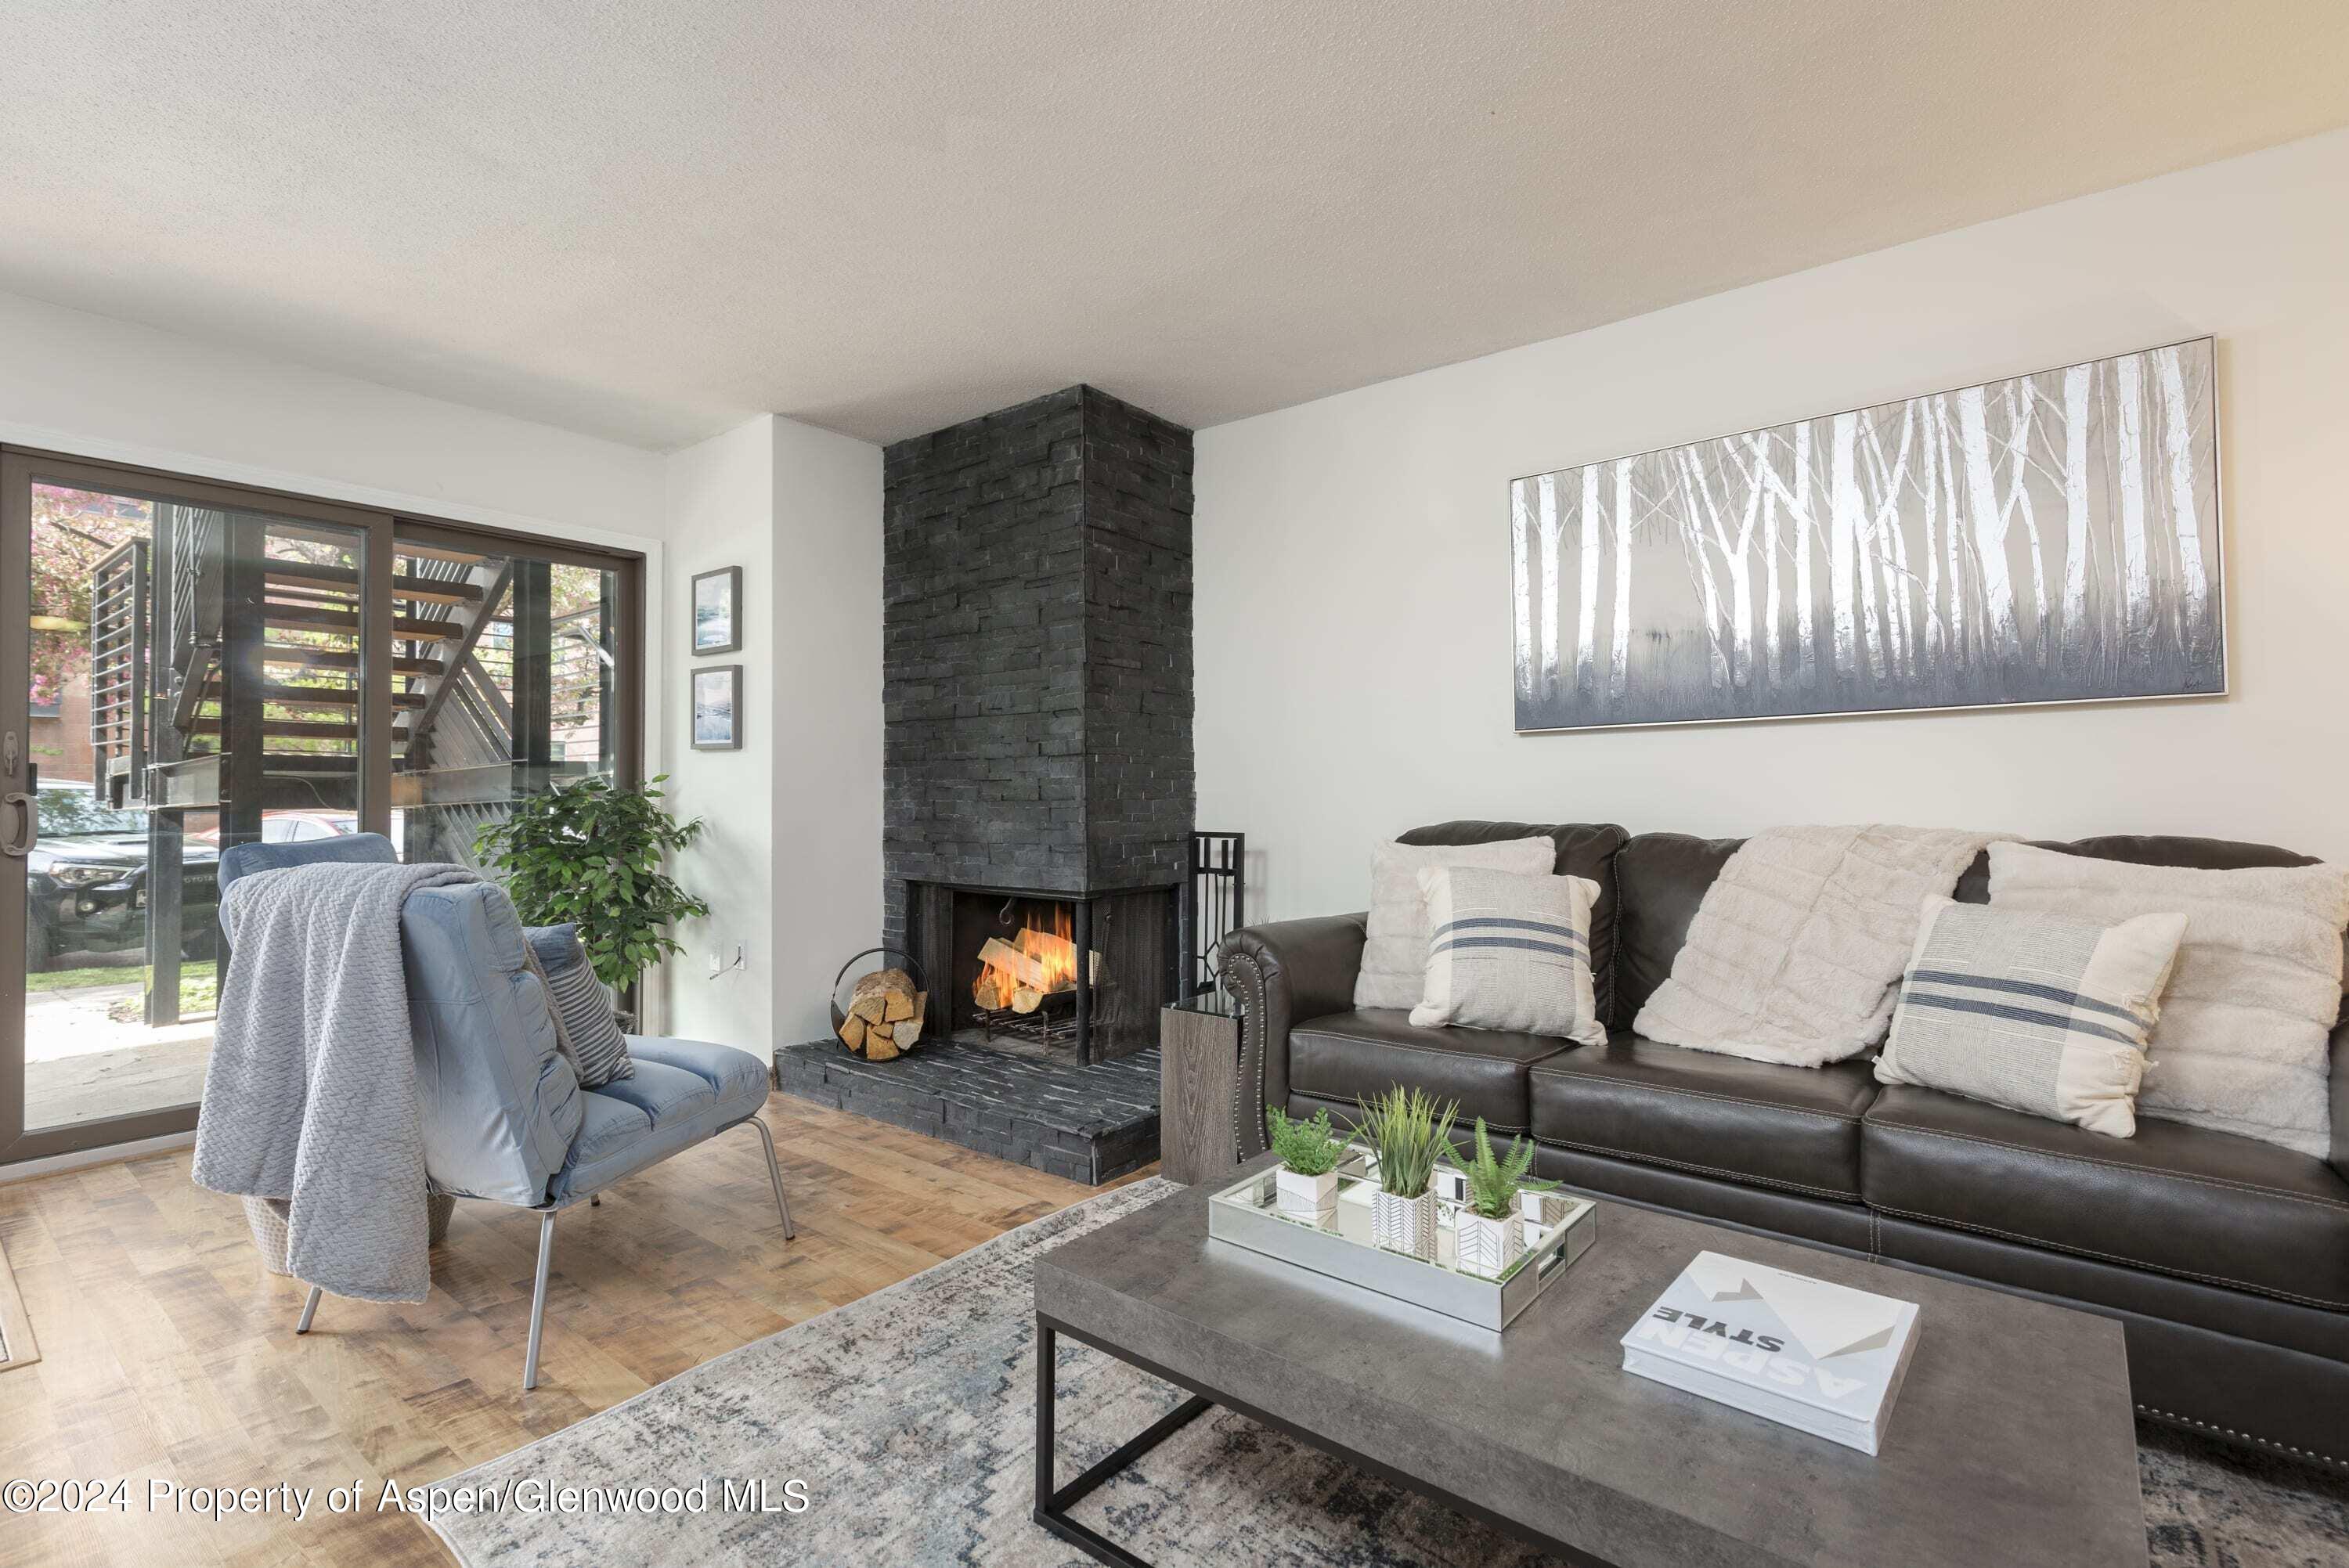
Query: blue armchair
x,y
504,1117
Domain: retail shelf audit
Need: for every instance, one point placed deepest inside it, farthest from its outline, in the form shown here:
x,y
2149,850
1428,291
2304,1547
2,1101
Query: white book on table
x,y
1823,1358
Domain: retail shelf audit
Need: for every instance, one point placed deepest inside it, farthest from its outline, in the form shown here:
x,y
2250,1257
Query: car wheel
x,y
198,948
40,947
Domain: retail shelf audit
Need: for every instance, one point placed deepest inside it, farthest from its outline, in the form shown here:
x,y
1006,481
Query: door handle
x,y
21,841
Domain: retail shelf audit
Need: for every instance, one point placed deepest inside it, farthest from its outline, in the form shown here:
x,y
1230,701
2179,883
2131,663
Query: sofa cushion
x,y
2181,1200
662,1092
1795,1128
1584,850
683,1091
1346,1056
1660,879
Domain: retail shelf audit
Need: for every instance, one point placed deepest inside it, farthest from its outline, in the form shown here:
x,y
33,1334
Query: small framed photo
x,y
718,708
717,611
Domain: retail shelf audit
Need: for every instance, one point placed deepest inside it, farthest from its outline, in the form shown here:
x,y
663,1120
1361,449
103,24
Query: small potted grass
x,y
1308,1182
1488,1232
1406,1128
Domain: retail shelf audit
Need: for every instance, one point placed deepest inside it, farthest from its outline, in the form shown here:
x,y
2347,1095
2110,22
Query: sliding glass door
x,y
186,666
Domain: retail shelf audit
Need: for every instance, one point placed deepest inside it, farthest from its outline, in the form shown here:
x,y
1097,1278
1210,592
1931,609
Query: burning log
x,y
1020,974
1024,968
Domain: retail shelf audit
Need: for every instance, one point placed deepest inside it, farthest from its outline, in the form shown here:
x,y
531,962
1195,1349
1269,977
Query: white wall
x,y
826,682
99,387
1353,630
720,511
789,857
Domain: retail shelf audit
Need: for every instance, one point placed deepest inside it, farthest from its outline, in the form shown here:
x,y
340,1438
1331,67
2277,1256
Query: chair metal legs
x,y
538,1300
546,1261
775,1174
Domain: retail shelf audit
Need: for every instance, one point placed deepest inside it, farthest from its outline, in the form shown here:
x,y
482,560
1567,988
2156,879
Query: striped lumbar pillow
x,y
583,1004
1507,951
2041,1013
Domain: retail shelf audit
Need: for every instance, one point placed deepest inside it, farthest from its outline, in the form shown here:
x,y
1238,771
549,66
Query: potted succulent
x,y
1309,1152
1406,1128
1489,1233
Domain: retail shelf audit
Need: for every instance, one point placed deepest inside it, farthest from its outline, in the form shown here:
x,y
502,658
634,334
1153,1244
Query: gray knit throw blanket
x,y
311,1093
1795,951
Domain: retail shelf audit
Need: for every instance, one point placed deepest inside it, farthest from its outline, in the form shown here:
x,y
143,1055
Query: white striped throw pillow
x,y
583,1004
1507,951
2041,1013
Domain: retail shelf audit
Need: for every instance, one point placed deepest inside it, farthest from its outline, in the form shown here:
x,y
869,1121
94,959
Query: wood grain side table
x,y
1198,1067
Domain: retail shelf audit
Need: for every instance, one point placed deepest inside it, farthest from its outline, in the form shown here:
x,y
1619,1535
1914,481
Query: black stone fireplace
x,y
1036,682
1036,778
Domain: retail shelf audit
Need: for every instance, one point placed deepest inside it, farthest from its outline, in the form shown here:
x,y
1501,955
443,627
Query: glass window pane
x,y
194,682
504,671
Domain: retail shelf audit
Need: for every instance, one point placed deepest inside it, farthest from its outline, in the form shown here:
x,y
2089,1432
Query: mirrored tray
x,y
1247,1214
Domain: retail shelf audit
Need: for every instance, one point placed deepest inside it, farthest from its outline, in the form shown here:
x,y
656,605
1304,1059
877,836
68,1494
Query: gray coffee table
x,y
2013,1440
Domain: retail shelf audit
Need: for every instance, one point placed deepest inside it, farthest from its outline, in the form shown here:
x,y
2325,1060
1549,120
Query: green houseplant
x,y
1307,1183
1488,1228
590,853
1405,1128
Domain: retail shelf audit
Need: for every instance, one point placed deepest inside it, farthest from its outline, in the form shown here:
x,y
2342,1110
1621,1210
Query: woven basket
x,y
266,1217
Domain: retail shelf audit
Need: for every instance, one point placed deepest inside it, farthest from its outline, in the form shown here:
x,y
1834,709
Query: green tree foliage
x,y
590,853
72,530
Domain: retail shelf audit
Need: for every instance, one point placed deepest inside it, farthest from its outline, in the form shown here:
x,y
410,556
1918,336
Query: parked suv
x,y
86,881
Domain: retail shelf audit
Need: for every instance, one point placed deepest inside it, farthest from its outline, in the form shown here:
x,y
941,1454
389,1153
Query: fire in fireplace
x,y
1021,974
1008,962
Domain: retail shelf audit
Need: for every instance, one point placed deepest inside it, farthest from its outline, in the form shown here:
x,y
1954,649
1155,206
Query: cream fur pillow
x,y
1395,956
2240,1045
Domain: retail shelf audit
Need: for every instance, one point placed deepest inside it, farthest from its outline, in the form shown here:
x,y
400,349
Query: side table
x,y
1198,1068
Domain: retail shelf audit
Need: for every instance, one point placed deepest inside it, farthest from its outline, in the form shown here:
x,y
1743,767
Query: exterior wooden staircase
x,y
258,633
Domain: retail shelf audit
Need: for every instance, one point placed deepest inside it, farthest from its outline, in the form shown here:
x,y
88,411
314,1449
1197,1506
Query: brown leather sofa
x,y
2225,1259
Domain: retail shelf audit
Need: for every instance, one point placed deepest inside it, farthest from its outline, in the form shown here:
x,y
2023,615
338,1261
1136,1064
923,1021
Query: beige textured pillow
x,y
1395,957
2043,1013
1509,951
2241,1047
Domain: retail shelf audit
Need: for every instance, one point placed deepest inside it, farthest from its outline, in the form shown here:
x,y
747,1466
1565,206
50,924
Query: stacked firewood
x,y
884,1015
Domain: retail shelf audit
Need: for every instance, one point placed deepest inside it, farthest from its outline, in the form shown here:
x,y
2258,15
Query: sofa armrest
x,y
1282,973
2340,1087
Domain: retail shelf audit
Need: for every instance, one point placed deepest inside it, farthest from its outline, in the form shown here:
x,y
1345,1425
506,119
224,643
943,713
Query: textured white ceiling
x,y
648,221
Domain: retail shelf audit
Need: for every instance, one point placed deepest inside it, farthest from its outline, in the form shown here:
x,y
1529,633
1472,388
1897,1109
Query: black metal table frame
x,y
1053,1502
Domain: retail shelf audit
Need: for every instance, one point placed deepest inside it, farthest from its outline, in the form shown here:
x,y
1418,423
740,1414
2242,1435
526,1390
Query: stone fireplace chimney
x,y
1037,687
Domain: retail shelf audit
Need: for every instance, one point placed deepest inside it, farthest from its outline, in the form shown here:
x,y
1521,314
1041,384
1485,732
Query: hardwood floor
x,y
168,1353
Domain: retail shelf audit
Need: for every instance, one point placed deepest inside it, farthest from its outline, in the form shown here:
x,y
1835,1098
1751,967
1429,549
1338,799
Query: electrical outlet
x,y
716,968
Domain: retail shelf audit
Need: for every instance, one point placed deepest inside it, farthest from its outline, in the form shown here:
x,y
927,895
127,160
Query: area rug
x,y
905,1420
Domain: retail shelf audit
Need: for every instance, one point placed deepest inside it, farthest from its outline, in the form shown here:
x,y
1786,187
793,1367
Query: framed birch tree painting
x,y
2052,538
